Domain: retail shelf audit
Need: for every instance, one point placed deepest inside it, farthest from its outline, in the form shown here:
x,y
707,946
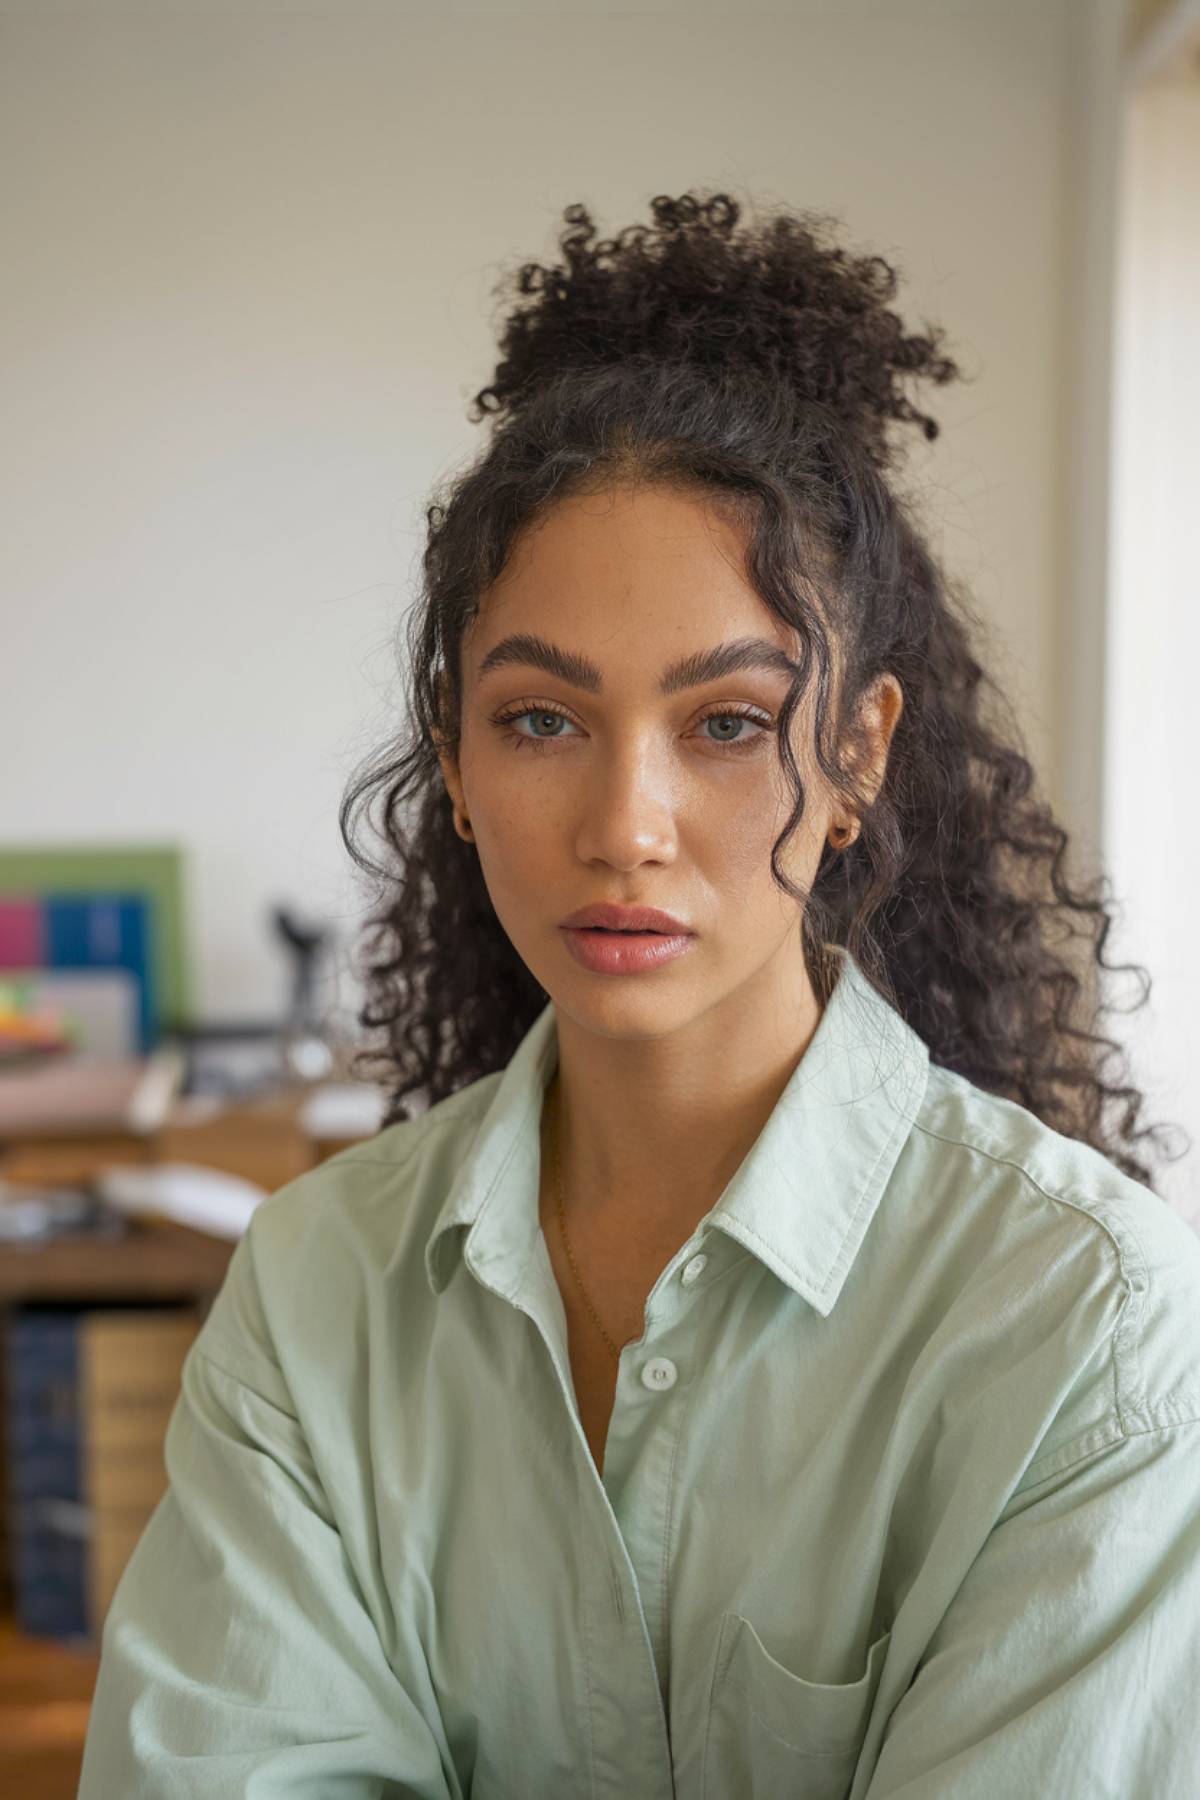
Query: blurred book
x,y
78,1094
33,1213
212,1200
92,1010
88,1397
109,931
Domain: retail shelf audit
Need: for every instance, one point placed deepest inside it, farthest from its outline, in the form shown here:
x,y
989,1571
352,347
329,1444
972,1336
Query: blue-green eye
x,y
543,714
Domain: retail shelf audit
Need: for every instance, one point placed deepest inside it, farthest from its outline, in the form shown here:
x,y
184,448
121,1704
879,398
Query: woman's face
x,y
588,782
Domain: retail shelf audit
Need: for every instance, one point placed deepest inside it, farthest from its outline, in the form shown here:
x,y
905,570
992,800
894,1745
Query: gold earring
x,y
840,836
464,825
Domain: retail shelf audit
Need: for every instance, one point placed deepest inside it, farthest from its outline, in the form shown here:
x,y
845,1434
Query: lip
x,y
617,953
626,918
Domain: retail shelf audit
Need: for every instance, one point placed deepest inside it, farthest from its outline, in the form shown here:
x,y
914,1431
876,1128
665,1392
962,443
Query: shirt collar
x,y
804,1194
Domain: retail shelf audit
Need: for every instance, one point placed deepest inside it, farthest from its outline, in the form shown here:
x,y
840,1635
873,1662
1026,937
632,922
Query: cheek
x,y
519,831
515,837
738,867
735,845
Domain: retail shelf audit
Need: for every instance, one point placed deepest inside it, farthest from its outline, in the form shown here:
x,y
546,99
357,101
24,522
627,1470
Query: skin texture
x,y
666,1077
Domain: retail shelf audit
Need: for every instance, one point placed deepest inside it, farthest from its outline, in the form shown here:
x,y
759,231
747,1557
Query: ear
x,y
879,710
446,757
451,778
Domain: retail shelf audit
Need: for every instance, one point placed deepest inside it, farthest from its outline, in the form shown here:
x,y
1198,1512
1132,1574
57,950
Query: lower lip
x,y
624,952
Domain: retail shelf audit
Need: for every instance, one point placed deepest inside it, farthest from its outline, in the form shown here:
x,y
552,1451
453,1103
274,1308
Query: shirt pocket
x,y
770,1734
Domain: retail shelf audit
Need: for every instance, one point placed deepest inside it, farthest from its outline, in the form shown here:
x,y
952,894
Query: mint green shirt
x,y
901,1496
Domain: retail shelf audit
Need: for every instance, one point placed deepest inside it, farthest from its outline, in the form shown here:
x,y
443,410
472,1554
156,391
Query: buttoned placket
x,y
631,1509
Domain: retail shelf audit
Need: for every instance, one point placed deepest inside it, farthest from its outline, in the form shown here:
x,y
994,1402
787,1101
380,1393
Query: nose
x,y
627,810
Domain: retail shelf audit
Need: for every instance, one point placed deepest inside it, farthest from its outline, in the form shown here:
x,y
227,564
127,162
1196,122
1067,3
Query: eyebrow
x,y
525,650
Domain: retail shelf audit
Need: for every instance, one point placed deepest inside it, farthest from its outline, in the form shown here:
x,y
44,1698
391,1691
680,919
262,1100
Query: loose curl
x,y
761,369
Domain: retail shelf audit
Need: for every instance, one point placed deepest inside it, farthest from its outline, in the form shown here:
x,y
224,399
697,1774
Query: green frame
x,y
155,870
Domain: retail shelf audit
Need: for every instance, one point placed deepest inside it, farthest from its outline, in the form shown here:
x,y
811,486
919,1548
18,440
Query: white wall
x,y
1152,845
246,301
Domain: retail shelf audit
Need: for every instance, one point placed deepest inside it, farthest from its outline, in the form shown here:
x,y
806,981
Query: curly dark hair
x,y
760,367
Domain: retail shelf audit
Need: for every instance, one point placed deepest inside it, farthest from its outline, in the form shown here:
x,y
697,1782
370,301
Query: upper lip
x,y
627,918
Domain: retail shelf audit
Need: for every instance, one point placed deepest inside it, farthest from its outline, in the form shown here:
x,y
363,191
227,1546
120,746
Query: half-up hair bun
x,y
779,296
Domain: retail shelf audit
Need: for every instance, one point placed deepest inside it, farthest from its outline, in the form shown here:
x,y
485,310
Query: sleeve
x,y
238,1656
1066,1663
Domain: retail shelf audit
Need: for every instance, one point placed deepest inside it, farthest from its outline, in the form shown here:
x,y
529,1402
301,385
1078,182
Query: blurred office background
x,y
248,260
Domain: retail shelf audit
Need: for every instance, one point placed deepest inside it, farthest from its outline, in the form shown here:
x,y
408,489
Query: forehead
x,y
633,570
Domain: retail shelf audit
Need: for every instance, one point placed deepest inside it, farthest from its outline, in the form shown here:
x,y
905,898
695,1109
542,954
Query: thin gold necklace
x,y
562,1224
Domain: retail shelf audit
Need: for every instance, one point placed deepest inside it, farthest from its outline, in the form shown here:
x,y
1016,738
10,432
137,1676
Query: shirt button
x,y
659,1373
693,1268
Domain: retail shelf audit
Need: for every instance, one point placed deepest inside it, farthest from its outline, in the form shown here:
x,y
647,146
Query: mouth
x,y
622,950
617,920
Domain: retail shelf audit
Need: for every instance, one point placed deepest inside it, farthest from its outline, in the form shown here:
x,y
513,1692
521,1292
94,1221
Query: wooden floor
x,y
45,1697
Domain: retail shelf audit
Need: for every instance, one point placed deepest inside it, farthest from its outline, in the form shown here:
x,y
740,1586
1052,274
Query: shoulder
x,y
318,1250
372,1189
1055,1233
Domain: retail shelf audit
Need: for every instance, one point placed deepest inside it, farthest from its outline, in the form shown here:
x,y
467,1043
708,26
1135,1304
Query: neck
x,y
651,1131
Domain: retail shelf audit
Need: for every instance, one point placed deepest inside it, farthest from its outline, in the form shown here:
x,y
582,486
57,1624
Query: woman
x,y
760,1367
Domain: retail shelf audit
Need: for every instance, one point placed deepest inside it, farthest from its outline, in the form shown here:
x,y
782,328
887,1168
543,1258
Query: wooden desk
x,y
157,1260
261,1140
45,1687
45,1698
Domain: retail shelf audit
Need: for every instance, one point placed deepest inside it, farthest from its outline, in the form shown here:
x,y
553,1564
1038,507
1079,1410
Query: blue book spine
x,y
106,931
43,1443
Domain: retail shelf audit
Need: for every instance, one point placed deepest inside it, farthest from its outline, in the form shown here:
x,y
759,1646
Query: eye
x,y
520,739
740,716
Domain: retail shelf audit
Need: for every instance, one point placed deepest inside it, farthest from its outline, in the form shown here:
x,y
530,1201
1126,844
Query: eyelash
x,y
521,740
